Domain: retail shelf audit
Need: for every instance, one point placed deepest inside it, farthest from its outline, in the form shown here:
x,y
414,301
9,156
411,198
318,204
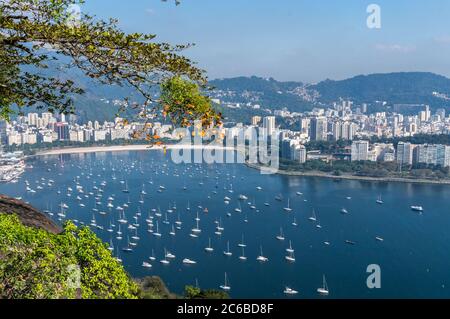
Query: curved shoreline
x,y
125,148
353,177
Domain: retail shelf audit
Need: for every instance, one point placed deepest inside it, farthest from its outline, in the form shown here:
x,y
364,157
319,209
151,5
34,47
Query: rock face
x,y
28,215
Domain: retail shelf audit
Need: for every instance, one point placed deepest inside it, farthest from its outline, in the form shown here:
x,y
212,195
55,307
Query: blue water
x,y
414,256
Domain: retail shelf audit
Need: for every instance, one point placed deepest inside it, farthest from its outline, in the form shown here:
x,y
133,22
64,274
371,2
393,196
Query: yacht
x,y
313,217
280,236
146,265
242,244
290,257
379,200
243,257
288,208
226,285
188,261
261,257
243,197
172,232
157,233
209,249
152,257
290,291
228,252
324,289
290,249
417,209
344,211
197,229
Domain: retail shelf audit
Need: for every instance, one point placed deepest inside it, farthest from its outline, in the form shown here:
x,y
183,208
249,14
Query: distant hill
x,y
406,87
269,93
395,88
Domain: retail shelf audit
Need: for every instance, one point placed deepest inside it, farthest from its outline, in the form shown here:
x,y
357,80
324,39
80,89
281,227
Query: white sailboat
x,y
228,252
290,257
188,261
243,257
290,291
261,257
157,233
324,289
242,244
209,249
280,236
288,208
290,249
379,200
313,217
226,286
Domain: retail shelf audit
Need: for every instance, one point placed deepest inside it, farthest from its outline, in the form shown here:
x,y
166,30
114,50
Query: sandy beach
x,y
126,148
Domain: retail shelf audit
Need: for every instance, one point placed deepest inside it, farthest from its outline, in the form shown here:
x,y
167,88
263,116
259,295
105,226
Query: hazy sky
x,y
305,40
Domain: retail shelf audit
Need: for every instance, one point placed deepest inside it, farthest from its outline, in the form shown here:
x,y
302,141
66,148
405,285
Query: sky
x,y
299,40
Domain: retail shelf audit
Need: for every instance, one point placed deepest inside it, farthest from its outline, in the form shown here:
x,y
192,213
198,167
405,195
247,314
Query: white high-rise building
x,y
269,125
360,151
33,119
404,153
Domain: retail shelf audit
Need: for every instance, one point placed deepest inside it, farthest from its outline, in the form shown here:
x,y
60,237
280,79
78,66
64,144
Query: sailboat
x,y
209,249
128,249
290,257
197,229
126,190
226,285
172,232
157,233
242,244
324,289
288,208
238,209
152,257
280,236
313,217
379,200
290,249
228,252
165,261
243,257
294,223
290,291
261,257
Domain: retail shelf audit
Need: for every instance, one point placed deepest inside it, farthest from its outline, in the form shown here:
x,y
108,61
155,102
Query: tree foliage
x,y
33,33
36,264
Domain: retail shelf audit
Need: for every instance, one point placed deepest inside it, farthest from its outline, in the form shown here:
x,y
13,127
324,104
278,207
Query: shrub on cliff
x,y
73,264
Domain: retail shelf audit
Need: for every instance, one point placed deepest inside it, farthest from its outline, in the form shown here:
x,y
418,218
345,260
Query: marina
x,y
288,238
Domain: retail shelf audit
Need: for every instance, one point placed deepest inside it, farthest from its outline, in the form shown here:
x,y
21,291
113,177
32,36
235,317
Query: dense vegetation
x,y
369,169
38,264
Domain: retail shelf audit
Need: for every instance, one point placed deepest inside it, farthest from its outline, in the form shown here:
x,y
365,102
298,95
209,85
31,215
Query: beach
x,y
126,148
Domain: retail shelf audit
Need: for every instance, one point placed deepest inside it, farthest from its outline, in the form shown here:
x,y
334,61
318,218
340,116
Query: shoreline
x,y
124,148
354,177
